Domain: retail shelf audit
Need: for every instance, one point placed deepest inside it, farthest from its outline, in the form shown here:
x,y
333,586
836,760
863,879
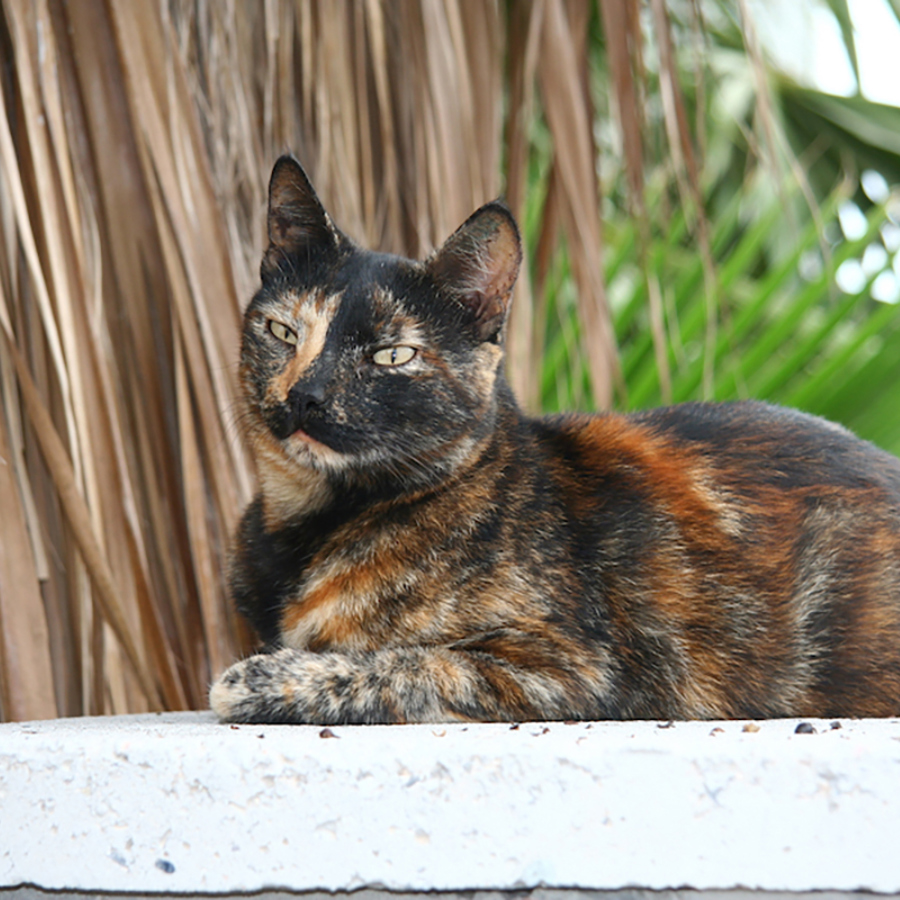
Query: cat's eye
x,y
282,332
393,356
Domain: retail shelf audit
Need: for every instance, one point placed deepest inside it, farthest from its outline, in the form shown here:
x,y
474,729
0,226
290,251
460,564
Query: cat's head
x,y
368,367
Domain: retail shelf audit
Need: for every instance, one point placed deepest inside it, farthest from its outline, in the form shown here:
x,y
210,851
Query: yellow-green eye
x,y
282,332
393,356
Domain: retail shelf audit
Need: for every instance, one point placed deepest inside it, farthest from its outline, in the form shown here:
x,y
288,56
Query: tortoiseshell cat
x,y
420,550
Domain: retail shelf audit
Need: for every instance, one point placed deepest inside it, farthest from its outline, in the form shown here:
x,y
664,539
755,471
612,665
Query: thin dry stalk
x,y
624,41
688,178
568,113
526,325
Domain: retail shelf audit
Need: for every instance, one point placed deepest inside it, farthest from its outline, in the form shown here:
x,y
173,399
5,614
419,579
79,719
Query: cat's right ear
x,y
299,228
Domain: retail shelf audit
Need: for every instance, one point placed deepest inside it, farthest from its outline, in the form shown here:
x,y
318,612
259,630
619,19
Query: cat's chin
x,y
305,449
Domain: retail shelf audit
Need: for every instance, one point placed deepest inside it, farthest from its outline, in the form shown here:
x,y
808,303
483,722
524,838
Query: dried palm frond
x,y
135,144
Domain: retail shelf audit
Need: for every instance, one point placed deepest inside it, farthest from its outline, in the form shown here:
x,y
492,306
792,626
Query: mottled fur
x,y
420,550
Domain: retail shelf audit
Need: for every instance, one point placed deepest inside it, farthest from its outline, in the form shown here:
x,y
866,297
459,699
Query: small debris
x,y
750,727
571,722
327,733
669,724
835,725
514,726
440,733
235,727
260,736
805,728
717,730
165,866
545,730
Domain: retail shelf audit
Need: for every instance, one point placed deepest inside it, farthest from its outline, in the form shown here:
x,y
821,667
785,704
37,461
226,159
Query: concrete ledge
x,y
179,804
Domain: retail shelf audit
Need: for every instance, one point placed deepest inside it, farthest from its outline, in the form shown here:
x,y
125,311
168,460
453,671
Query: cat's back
x,y
747,445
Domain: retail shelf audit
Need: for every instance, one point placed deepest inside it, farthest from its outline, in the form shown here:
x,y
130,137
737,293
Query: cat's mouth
x,y
311,440
307,450
300,436
293,431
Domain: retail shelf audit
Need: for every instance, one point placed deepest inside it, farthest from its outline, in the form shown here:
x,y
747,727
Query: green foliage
x,y
783,329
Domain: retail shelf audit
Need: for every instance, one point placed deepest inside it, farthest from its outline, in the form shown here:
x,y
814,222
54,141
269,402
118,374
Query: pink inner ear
x,y
503,258
479,263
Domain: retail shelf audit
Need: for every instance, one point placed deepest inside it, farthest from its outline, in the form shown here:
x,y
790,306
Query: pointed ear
x,y
297,221
478,265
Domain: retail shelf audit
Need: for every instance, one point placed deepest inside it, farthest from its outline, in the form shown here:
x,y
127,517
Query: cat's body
x,y
420,550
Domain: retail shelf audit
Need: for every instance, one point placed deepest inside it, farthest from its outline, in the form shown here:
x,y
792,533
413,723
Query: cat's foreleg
x,y
406,684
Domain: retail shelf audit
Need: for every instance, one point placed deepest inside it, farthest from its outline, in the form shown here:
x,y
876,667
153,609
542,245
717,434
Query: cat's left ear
x,y
299,227
478,265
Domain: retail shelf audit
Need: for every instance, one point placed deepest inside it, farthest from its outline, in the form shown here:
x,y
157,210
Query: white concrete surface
x,y
177,803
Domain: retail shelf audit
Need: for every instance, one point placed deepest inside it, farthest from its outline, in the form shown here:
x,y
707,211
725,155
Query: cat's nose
x,y
304,397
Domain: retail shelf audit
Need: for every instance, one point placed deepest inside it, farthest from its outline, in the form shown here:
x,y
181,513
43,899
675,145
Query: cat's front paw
x,y
249,691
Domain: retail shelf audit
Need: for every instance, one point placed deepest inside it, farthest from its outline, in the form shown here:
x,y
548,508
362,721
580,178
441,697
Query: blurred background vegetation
x,y
698,226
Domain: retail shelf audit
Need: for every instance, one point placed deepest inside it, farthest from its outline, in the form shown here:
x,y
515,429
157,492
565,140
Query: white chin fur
x,y
307,451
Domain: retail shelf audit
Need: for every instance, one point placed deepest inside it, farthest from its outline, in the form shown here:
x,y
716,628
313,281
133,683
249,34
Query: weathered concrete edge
x,y
30,892
588,806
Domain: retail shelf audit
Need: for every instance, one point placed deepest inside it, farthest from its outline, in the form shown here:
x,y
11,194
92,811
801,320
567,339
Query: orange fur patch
x,y
311,316
335,609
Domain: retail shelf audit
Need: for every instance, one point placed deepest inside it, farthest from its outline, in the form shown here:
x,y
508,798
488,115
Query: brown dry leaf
x,y
623,38
624,41
79,520
570,120
688,178
26,677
